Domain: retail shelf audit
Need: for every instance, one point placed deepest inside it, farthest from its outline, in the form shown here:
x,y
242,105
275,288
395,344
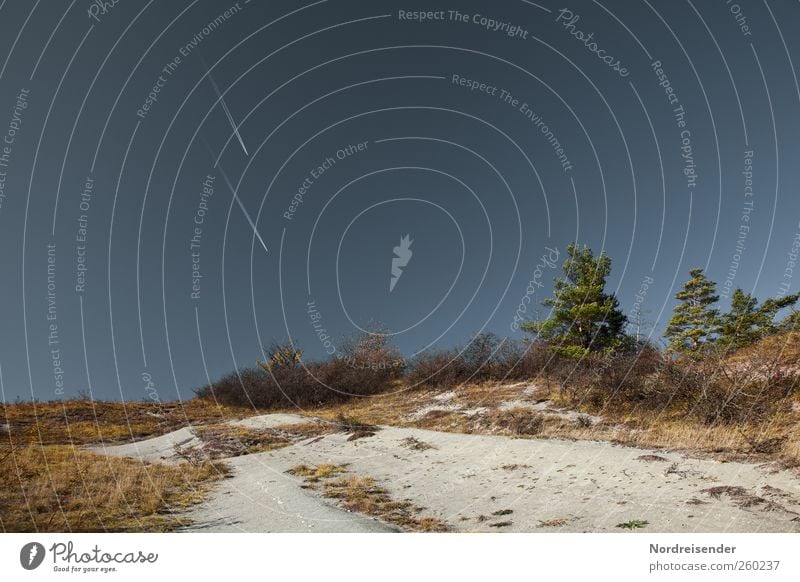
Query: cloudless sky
x,y
490,141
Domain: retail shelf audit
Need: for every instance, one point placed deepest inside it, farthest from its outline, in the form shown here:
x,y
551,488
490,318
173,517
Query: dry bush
x,y
434,369
485,358
278,387
715,389
532,360
613,379
365,366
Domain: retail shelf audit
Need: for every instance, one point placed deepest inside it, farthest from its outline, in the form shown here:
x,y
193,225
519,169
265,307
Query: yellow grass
x,y
59,488
85,421
667,430
361,494
48,482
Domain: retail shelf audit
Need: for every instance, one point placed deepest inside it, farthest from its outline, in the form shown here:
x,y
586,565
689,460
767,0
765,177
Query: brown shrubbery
x,y
364,366
721,388
486,357
717,389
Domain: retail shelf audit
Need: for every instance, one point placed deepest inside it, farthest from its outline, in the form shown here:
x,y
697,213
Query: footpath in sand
x,y
489,483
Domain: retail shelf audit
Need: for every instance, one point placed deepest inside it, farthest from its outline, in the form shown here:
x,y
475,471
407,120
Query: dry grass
x,y
516,422
86,421
651,458
362,494
742,498
782,348
356,428
790,453
771,442
220,441
777,440
318,473
514,467
306,430
49,486
415,444
63,488
555,522
49,483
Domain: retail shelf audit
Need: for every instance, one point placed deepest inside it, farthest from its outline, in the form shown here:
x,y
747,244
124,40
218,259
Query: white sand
x,y
591,486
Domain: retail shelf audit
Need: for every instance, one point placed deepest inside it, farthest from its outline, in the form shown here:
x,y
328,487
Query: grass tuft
x,y
361,494
67,489
633,524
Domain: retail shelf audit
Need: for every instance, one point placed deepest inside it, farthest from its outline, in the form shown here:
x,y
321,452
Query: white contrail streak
x,y
244,210
227,112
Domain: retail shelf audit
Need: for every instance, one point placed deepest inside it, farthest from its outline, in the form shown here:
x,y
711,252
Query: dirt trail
x,y
494,483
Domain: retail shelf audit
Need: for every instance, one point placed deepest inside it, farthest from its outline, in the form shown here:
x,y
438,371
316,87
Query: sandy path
x,y
260,497
480,483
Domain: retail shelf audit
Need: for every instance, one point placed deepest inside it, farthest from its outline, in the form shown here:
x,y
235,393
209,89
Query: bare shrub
x,y
366,365
531,360
434,369
486,357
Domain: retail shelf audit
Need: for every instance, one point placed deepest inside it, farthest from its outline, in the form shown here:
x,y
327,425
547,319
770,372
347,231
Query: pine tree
x,y
694,321
583,317
791,322
746,322
738,327
770,309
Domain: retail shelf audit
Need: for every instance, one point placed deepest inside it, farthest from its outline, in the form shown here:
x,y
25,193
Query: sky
x,y
184,183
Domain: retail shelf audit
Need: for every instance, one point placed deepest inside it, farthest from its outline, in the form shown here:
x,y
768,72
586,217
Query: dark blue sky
x,y
663,133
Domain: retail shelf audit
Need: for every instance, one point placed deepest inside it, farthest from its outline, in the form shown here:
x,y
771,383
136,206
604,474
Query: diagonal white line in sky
x,y
244,210
227,113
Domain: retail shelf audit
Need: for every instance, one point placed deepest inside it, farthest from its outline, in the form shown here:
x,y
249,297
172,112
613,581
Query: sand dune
x,y
492,483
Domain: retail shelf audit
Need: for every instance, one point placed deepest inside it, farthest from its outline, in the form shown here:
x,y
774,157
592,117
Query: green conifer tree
x,y
694,321
584,317
746,322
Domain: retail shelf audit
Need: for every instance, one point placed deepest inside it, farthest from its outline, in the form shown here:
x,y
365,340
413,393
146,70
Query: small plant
x,y
514,467
416,444
674,469
315,474
555,522
354,427
654,459
633,524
